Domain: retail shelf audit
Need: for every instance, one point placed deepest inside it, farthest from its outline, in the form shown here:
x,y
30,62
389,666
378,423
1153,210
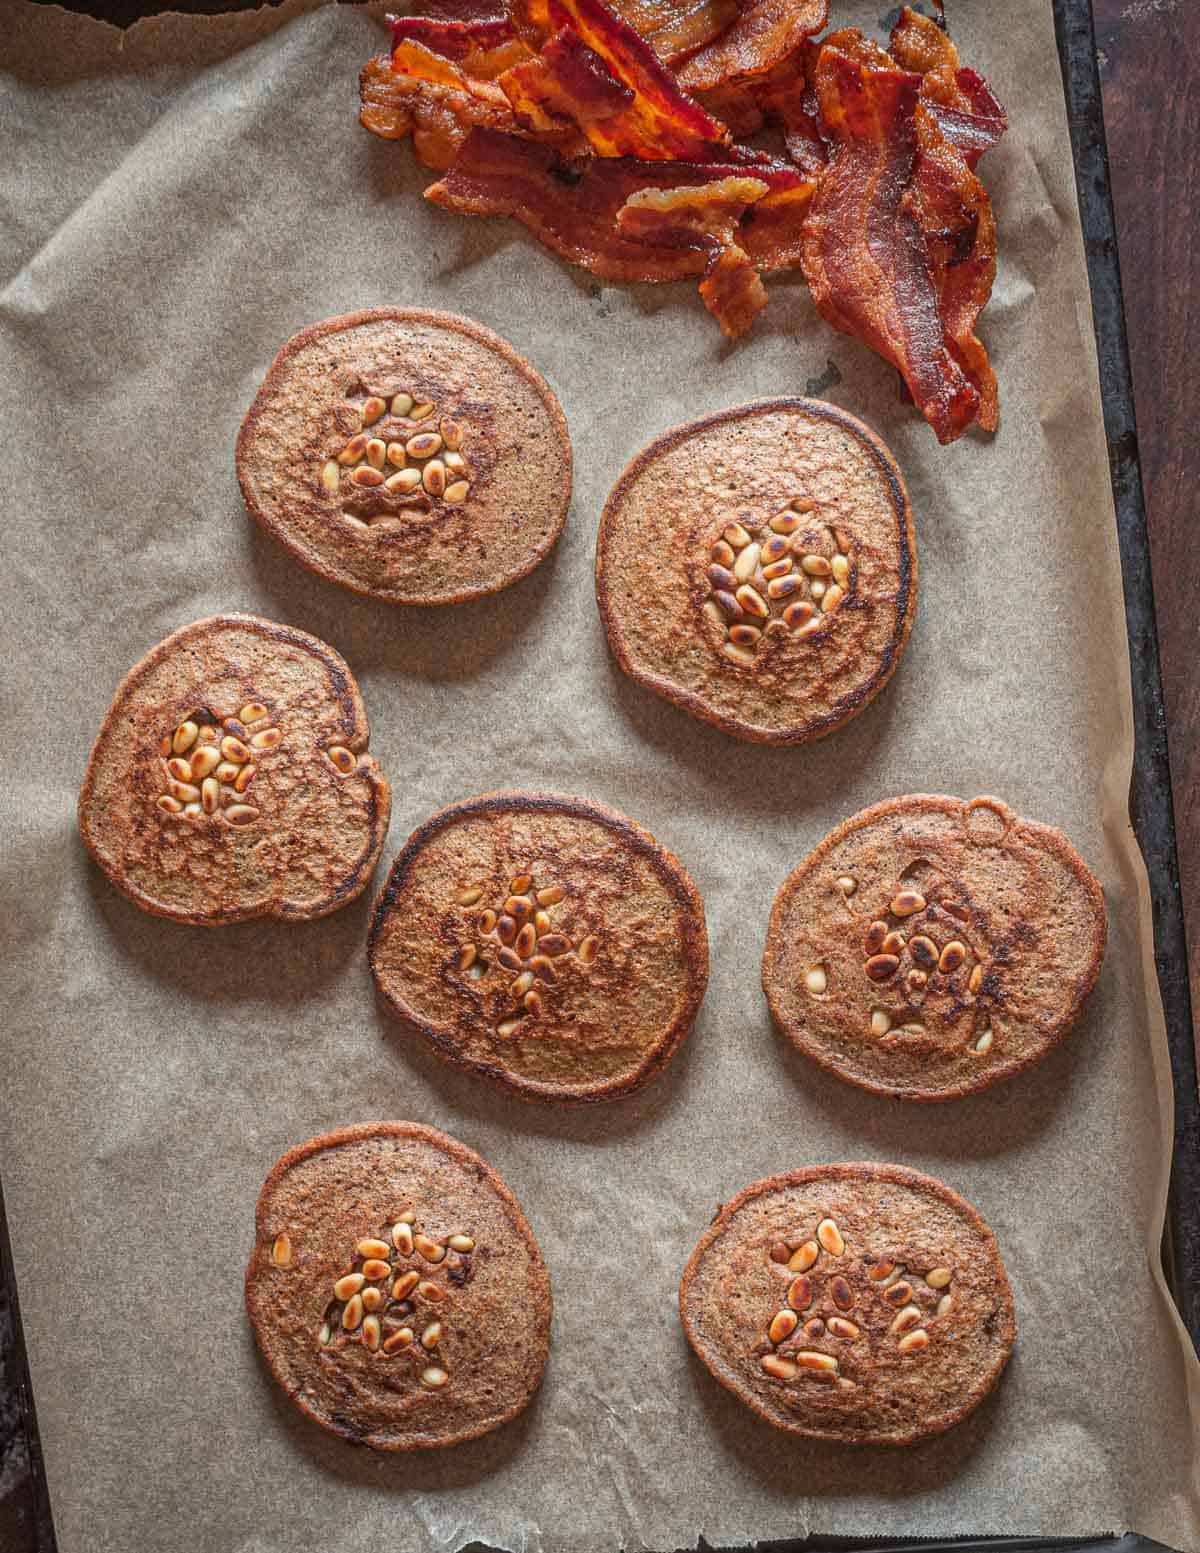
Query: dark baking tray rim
x,y
1150,798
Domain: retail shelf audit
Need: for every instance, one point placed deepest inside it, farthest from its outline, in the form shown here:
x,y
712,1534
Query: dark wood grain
x,y
1147,52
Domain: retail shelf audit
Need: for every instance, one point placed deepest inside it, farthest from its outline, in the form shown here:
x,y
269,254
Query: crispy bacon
x,y
482,50
438,115
596,72
764,33
562,115
863,252
675,28
573,206
954,215
706,218
967,112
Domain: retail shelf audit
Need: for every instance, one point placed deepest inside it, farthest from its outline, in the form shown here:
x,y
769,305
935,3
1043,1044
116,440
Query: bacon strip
x,y
766,32
439,116
706,219
482,50
967,111
573,207
863,250
675,28
659,121
954,214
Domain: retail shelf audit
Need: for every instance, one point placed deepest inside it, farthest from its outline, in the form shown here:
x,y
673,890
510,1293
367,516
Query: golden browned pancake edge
x,y
757,566
436,1333
544,942
206,818
864,1303
338,453
929,947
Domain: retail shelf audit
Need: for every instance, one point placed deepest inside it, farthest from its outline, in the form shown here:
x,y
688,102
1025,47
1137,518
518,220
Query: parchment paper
x,y
176,203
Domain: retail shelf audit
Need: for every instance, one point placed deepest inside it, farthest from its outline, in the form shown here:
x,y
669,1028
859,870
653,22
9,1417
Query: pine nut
x,y
907,903
914,1341
401,404
281,1251
780,1369
804,1257
353,451
938,1277
811,1360
353,1313
433,1376
830,1237
908,1317
782,1326
184,737
405,1284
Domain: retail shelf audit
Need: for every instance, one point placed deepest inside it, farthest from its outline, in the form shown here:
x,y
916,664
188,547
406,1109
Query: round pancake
x,y
395,1289
863,1303
230,778
410,455
930,947
545,942
758,567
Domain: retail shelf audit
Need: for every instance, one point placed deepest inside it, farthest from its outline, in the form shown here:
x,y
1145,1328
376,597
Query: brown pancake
x,y
545,942
758,567
395,1289
864,1303
407,454
929,947
230,778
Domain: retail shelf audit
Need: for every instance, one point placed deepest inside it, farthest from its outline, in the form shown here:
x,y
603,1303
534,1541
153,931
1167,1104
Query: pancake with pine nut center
x,y
930,947
395,1289
230,778
862,1303
407,454
758,567
544,942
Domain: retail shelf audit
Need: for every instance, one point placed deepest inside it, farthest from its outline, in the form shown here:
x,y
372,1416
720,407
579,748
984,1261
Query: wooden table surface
x,y
1147,52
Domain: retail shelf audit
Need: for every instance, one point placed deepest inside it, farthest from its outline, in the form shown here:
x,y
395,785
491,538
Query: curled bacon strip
x,y
961,102
706,218
765,33
863,253
439,114
573,206
598,72
482,50
676,28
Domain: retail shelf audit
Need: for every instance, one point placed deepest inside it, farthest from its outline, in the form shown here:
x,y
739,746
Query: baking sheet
x,y
184,197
